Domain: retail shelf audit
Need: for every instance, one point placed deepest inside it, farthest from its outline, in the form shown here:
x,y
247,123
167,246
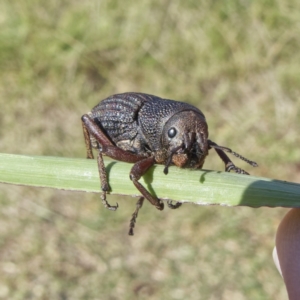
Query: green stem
x,y
198,186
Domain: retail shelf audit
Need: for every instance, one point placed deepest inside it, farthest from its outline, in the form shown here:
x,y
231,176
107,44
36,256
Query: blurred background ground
x,y
238,61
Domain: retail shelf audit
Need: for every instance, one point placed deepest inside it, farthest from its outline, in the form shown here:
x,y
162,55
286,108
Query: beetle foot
x,y
231,167
160,205
139,204
173,206
106,204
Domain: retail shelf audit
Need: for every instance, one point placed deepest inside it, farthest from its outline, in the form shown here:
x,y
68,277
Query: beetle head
x,y
184,137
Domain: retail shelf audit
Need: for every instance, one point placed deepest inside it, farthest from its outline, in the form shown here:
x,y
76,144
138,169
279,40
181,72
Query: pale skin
x,y
286,254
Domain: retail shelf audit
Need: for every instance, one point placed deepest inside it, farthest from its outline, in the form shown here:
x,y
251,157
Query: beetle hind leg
x,y
87,139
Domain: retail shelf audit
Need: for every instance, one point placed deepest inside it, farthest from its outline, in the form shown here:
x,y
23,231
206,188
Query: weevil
x,y
146,130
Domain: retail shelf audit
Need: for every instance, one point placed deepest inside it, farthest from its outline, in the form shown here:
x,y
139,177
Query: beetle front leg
x,y
137,171
229,165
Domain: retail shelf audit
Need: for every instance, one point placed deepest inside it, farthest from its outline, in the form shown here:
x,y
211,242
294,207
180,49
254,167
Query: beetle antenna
x,y
169,160
214,145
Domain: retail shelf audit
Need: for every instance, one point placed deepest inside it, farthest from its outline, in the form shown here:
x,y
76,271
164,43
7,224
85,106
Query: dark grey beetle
x,y
146,130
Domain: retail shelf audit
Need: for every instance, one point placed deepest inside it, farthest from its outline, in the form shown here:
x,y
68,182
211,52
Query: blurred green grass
x,y
236,60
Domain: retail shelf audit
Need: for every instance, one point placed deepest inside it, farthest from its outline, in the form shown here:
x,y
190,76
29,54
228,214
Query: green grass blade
x,y
198,186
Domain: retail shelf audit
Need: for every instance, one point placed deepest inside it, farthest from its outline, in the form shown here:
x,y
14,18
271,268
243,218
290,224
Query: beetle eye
x,y
172,132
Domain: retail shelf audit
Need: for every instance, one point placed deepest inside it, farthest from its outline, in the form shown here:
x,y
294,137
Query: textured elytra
x,y
117,116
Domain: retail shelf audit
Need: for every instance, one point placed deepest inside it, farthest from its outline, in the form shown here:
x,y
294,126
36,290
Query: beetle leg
x,y
173,206
104,183
139,205
94,130
232,167
222,148
229,165
137,171
106,146
87,140
91,129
